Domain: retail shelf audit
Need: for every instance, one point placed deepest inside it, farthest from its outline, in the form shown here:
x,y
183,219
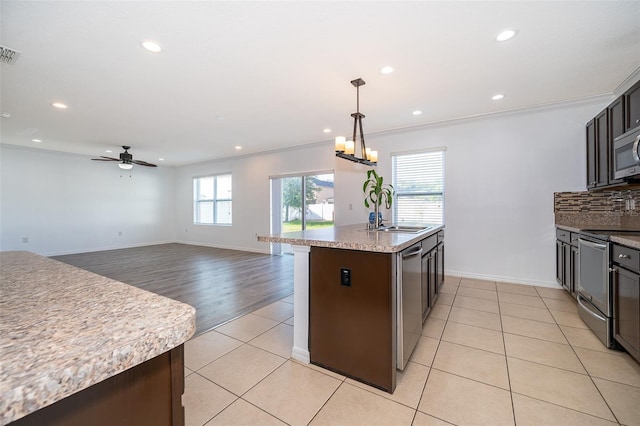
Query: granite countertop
x,y
629,237
352,237
63,329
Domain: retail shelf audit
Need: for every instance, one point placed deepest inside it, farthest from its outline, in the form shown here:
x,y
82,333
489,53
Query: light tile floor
x,y
491,353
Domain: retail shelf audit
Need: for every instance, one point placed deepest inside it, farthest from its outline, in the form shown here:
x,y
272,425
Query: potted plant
x,y
375,193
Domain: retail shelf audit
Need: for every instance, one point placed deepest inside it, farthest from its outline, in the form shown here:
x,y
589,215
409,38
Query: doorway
x,y
300,202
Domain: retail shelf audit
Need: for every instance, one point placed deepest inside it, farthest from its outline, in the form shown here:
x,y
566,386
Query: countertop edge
x,y
362,245
625,240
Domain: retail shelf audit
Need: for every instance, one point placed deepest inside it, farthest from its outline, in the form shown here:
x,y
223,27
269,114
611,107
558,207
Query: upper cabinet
x,y
592,155
632,104
599,152
604,147
619,117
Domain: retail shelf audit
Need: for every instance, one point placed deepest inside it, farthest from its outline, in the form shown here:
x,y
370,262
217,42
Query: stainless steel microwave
x,y
626,158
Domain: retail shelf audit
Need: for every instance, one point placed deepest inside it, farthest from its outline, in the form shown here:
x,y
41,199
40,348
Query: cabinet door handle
x,y
624,256
637,120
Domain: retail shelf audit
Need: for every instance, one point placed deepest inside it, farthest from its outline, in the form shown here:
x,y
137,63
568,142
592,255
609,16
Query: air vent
x,y
8,56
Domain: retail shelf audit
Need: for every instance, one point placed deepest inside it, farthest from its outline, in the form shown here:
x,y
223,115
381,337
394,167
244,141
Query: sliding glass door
x,y
300,202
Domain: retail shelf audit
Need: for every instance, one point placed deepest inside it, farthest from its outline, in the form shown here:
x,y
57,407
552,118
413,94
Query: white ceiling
x,y
268,75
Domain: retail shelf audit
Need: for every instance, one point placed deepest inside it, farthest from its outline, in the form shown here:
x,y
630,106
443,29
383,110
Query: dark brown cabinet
x,y
632,106
599,152
592,155
566,260
429,274
617,125
622,115
352,319
603,148
440,261
626,299
149,394
432,271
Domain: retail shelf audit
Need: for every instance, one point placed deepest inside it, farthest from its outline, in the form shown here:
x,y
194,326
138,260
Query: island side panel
x,y
149,394
300,350
352,328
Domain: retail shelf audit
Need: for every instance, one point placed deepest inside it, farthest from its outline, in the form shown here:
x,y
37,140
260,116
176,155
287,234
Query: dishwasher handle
x,y
415,252
592,245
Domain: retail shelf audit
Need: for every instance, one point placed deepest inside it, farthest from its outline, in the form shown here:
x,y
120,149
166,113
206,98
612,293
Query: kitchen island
x,y
345,291
79,348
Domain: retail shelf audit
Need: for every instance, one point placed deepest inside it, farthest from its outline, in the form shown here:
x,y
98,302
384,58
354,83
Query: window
x,y
212,200
418,179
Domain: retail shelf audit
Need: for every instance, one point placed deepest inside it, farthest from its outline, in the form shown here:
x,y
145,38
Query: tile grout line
x,y
504,346
233,350
585,369
431,368
588,374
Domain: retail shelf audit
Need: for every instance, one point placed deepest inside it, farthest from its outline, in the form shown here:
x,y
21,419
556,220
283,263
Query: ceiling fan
x,y
126,160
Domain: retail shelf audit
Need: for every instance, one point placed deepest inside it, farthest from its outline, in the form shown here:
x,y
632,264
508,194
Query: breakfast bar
x,y
352,312
79,348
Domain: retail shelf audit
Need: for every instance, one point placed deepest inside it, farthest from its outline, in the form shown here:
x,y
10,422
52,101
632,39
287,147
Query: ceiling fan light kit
x,y
346,148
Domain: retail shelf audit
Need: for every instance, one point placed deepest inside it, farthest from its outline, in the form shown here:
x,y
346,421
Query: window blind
x,y
419,183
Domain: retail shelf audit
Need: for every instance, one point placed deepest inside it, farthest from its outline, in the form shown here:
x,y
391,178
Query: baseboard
x,y
300,355
498,278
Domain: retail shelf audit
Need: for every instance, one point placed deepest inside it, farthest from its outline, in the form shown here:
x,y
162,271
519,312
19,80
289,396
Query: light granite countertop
x,y
63,329
352,237
629,237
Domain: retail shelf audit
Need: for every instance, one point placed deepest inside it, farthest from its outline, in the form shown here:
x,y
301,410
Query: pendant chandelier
x,y
347,148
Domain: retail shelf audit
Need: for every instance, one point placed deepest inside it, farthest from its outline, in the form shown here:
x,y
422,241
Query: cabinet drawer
x,y
429,243
564,236
625,256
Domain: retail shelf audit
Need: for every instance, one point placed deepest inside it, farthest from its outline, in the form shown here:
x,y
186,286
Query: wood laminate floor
x,y
221,284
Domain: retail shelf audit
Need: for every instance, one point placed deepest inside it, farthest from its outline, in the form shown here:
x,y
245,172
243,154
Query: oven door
x,y
593,282
626,158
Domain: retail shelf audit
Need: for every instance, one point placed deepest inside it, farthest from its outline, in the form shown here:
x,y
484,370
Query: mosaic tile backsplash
x,y
605,208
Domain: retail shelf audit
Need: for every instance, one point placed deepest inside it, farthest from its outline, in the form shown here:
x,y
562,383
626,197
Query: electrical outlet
x,y
345,277
120,234
25,240
350,206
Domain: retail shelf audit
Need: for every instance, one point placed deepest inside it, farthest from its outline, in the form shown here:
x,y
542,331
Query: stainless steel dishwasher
x,y
409,303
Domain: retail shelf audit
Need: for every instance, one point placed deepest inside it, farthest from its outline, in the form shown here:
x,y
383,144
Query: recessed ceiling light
x,y
506,35
497,97
108,151
36,140
152,46
326,130
5,114
160,159
386,70
238,147
417,112
59,105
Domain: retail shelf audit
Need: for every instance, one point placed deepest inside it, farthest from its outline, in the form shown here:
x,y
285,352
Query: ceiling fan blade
x,y
143,163
103,158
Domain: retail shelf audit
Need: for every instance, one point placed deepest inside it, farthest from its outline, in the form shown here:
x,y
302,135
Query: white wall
x,y
251,195
500,175
64,203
